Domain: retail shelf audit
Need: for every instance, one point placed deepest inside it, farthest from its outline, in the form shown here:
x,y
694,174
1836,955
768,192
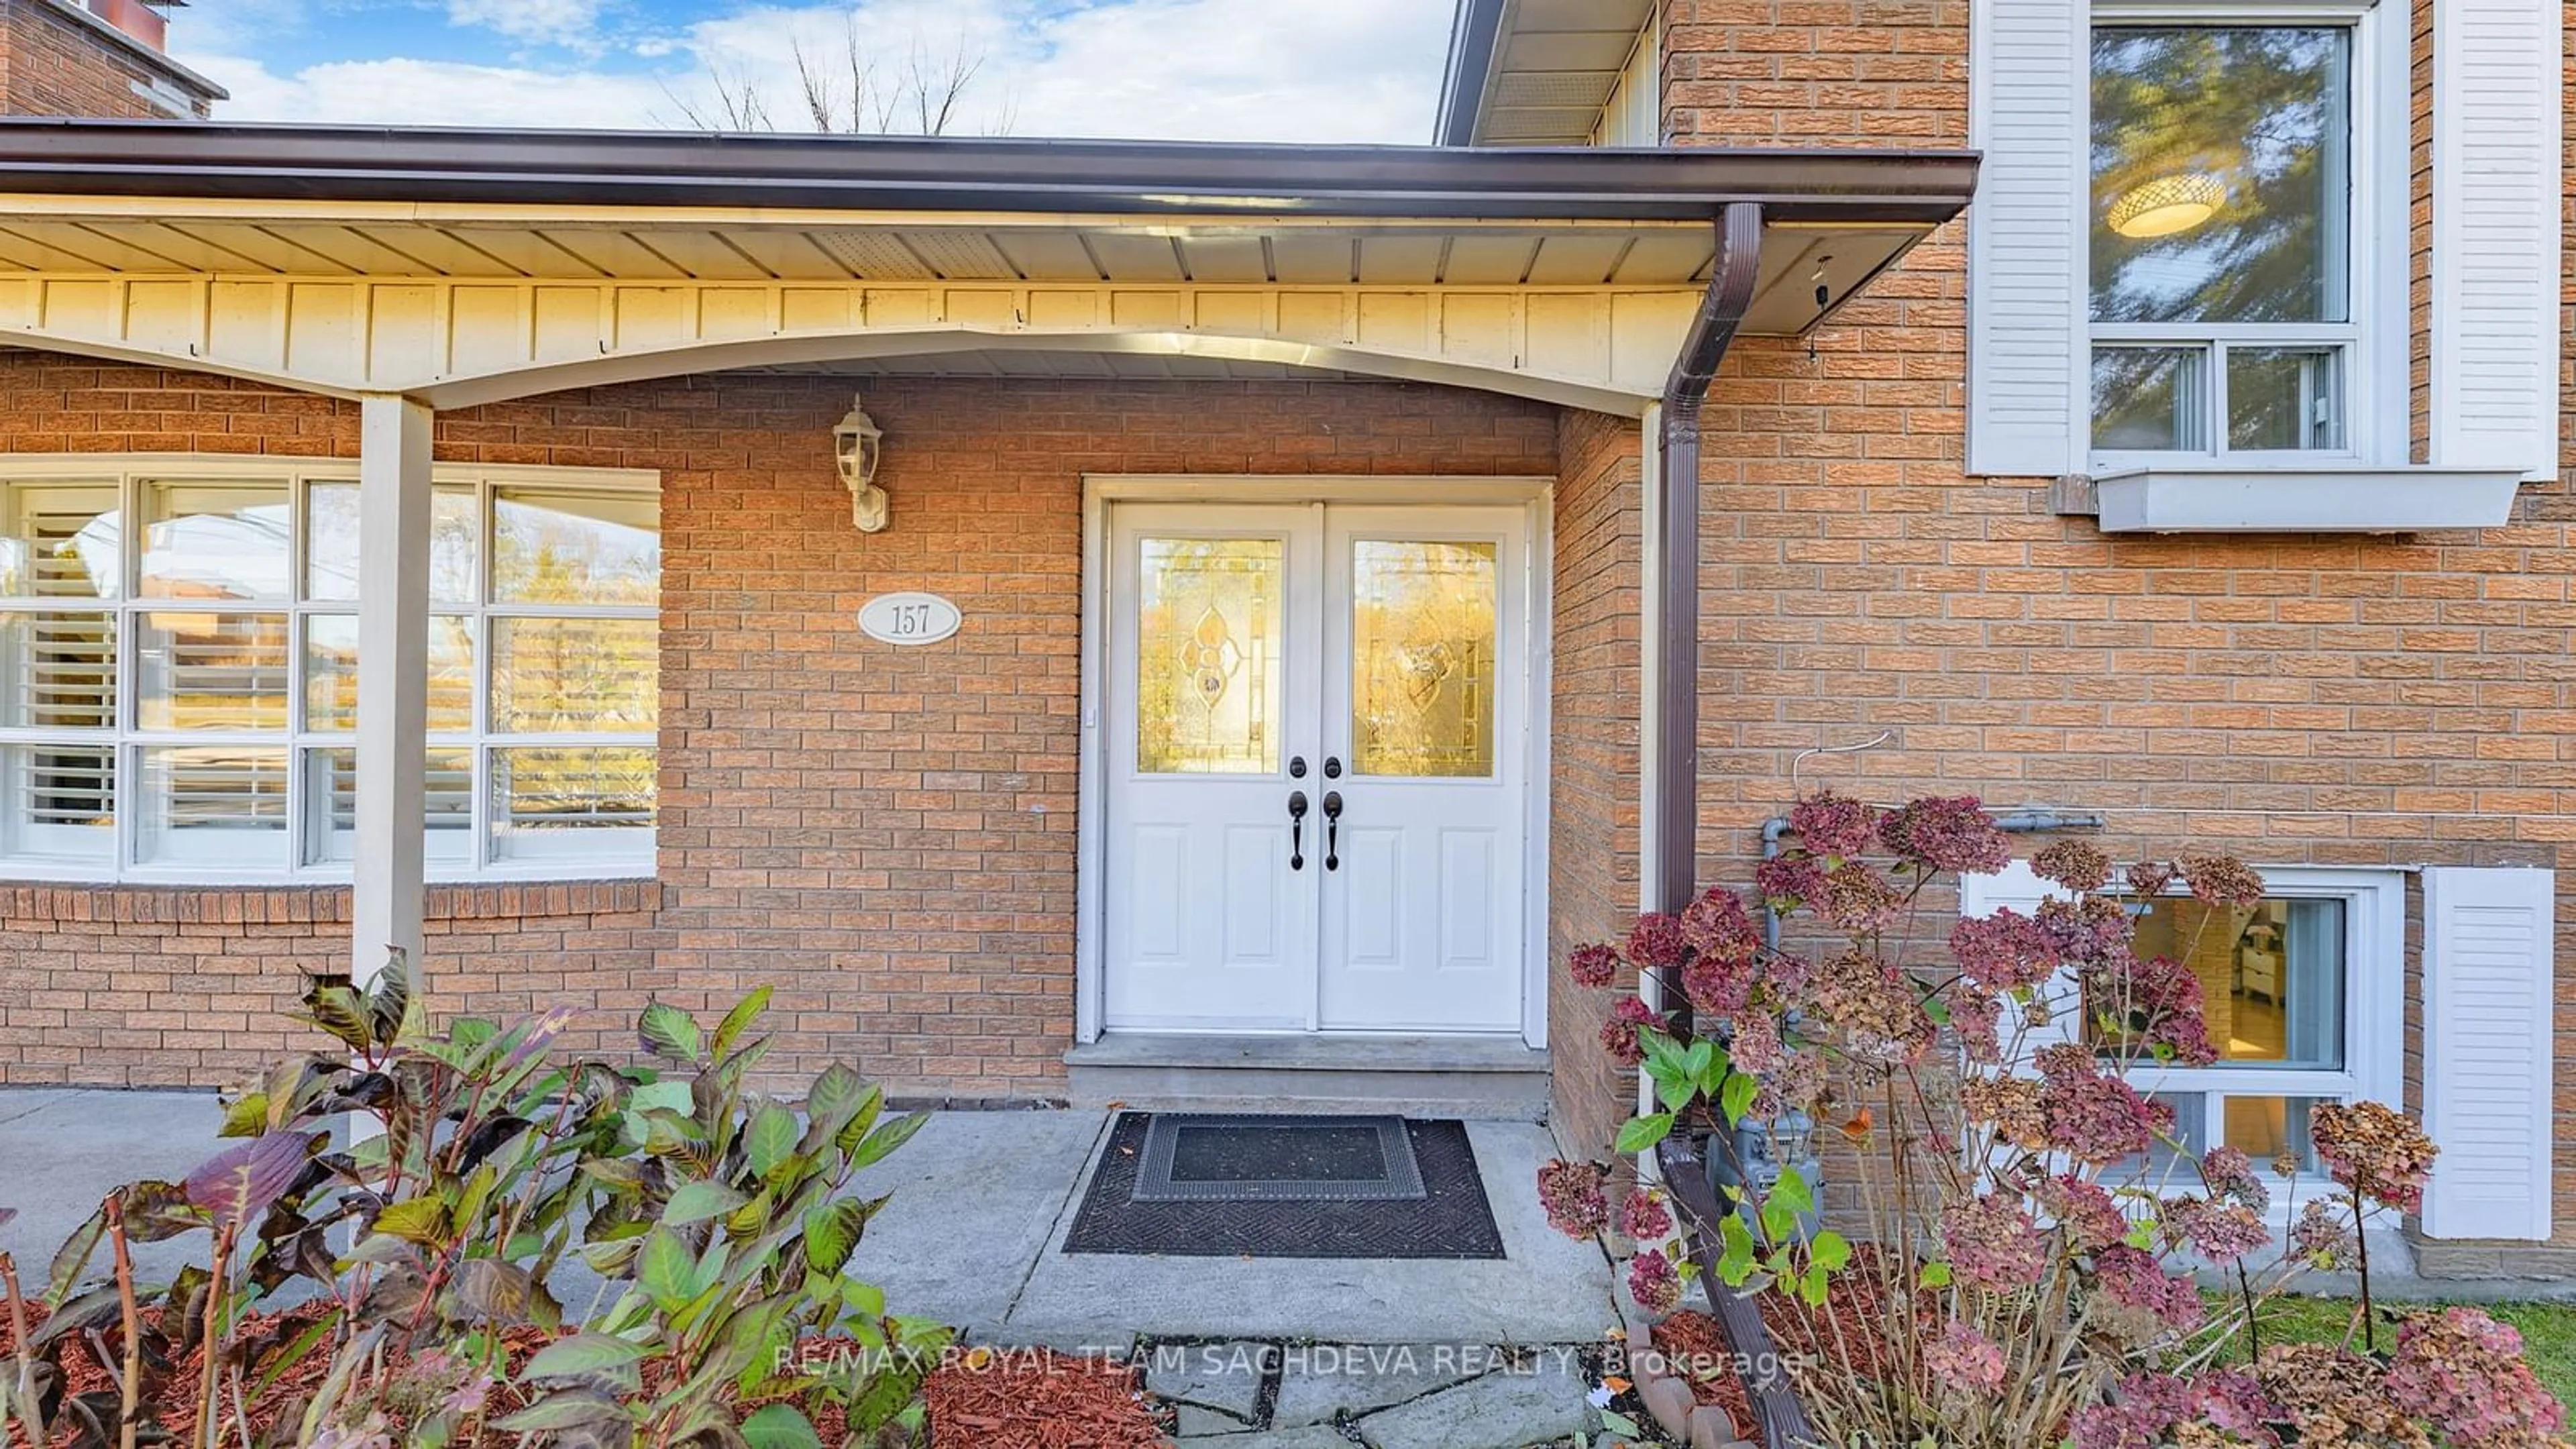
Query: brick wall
x,y
884,835
57,63
1593,789
2295,699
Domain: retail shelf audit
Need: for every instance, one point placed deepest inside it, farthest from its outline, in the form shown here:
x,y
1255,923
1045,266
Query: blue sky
x,y
1302,70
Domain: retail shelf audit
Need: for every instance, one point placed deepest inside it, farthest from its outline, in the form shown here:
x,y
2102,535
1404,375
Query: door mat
x,y
1230,1210
1217,1157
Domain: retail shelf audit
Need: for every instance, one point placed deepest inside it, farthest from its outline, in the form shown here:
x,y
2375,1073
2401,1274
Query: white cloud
x,y
559,22
1316,70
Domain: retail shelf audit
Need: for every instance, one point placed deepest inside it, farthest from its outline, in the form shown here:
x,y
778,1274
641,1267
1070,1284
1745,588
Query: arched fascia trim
x,y
852,346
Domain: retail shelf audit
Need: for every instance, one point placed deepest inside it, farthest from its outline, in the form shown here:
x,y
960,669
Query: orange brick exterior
x,y
884,835
2295,699
53,63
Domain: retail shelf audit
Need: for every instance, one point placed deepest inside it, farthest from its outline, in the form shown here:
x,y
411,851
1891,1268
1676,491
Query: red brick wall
x,y
886,836
1592,793
56,64
2348,700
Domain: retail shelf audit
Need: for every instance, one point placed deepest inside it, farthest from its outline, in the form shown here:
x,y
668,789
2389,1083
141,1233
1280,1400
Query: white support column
x,y
393,681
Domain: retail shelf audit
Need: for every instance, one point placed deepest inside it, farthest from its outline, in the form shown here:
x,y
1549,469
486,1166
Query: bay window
x,y
178,698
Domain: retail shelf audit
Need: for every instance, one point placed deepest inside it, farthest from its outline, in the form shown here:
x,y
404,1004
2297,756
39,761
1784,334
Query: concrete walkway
x,y
1468,1355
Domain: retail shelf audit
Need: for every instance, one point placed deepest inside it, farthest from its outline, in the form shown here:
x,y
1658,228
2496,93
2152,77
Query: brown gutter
x,y
870,173
1676,503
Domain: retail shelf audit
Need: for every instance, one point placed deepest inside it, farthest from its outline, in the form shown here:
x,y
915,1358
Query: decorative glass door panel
x,y
1316,736
1207,663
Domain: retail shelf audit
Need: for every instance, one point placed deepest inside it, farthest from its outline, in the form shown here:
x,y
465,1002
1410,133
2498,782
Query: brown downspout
x,y
1676,702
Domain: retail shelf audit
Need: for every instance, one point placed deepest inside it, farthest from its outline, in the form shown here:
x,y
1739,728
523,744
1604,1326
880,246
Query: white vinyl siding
x,y
2495,324
2489,1021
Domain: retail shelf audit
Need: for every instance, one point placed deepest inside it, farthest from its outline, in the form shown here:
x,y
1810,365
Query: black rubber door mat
x,y
1282,1187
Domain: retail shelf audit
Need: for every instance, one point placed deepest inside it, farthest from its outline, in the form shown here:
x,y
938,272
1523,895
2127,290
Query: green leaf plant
x,y
385,1223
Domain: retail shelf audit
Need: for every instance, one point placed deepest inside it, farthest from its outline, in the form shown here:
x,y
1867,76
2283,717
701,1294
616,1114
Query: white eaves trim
x,y
2325,499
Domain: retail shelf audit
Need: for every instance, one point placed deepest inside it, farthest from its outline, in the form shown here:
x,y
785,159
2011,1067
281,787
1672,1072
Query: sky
x,y
1217,70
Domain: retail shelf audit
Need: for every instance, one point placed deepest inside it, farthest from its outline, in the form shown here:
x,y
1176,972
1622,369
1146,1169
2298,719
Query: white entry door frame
x,y
1285,506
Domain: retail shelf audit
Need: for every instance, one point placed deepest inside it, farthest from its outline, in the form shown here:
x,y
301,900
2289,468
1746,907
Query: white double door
x,y
1315,762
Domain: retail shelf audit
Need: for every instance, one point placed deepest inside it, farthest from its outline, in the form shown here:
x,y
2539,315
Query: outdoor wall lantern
x,y
858,444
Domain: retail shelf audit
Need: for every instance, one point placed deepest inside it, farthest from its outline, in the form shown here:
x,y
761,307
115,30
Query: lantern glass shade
x,y
857,443
2167,206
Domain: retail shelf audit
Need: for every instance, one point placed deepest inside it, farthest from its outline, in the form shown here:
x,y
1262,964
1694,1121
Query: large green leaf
x,y
695,1202
72,1259
245,1116
887,1138
1736,1097
1640,1133
769,1139
833,1100
832,1231
670,1033
565,1411
338,1011
780,1426
238,1184
1831,1250
738,1021
422,1220
583,1353
666,1269
157,1211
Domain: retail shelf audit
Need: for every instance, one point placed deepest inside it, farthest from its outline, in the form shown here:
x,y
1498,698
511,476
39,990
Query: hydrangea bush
x,y
2033,1222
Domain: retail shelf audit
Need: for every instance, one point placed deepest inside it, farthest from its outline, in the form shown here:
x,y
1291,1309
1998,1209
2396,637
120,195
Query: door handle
x,y
1332,829
1296,830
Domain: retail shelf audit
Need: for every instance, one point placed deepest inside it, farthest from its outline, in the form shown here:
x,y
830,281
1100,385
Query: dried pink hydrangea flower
x,y
1789,881
1646,1216
2150,877
1830,824
2086,928
2323,1235
2005,951
1947,834
2094,1118
2078,865
2087,1212
1964,1360
1571,1193
2230,1173
1717,926
2374,1151
2220,1231
2132,1278
1656,942
1629,1015
2156,1002
2011,1104
1653,1282
1875,1007
1859,899
2222,880
1991,1242
1593,966
1718,987
2464,1371
1755,1046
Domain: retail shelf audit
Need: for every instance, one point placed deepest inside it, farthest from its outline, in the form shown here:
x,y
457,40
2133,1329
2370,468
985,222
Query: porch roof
x,y
461,266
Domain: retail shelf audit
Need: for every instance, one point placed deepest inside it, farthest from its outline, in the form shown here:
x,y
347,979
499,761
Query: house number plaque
x,y
909,618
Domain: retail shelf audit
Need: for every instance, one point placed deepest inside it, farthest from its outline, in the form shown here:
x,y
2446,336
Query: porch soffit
x,y
444,282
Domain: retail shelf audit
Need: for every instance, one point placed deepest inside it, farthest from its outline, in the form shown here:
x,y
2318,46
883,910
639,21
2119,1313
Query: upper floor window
x,y
179,661
2221,265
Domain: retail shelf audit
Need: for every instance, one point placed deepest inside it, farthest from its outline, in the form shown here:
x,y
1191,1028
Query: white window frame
x,y
2373,339
2374,1002
630,854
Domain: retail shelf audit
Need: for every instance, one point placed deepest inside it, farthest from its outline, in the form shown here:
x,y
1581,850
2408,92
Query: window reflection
x,y
567,546
2271,976
216,541
2261,111
331,544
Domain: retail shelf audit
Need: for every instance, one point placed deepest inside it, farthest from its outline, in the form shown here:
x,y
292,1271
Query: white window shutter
x,y
2496,191
2020,888
2030,77
2488,1019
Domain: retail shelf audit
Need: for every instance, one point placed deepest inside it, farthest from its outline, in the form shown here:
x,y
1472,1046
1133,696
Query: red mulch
x,y
978,1399
1034,1399
1699,1350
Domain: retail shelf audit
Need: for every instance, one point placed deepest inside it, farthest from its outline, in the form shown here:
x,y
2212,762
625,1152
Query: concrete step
x,y
1478,1078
